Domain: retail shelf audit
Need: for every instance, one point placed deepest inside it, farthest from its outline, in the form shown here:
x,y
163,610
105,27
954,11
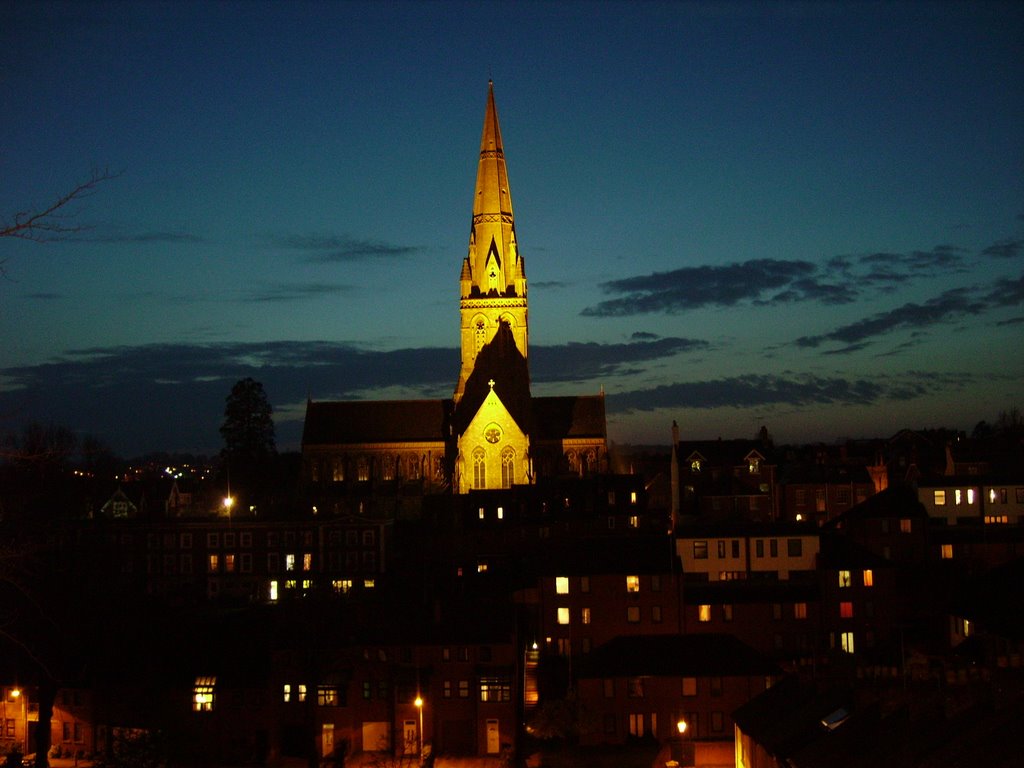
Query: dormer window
x,y
754,465
695,465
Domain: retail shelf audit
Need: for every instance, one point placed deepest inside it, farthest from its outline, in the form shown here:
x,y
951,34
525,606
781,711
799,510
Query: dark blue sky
x,y
804,215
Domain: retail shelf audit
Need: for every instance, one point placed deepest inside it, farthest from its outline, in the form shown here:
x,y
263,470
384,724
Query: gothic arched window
x,y
508,467
479,469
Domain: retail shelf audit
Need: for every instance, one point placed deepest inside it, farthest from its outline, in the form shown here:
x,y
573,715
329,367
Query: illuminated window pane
x,y
869,578
202,694
847,641
563,615
940,498
289,562
585,615
846,610
302,691
287,692
970,495
844,578
229,563
947,551
562,585
632,583
799,610
273,591
307,562
704,613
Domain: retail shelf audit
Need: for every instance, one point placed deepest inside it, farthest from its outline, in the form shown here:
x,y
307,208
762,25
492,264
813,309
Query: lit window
x,y
480,513
202,694
700,550
906,524
273,591
479,469
229,563
213,563
508,467
846,640
562,585
844,578
754,465
563,615
307,562
289,562
501,513
704,613
940,498
287,693
327,695
632,583
495,689
970,495
481,567
369,583
846,610
695,465
634,521
585,615
799,610
869,578
947,551
632,497
302,691
958,496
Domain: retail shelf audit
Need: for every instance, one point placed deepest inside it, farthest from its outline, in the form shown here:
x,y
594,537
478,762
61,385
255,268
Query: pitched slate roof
x,y
375,421
703,655
555,418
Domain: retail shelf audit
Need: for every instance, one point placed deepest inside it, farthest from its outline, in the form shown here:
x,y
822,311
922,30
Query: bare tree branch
x,y
55,221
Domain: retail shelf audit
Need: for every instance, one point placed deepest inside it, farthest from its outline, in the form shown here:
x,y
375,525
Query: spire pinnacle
x,y
493,258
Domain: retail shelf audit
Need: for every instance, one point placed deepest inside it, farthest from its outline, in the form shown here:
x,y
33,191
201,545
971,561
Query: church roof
x,y
375,421
556,418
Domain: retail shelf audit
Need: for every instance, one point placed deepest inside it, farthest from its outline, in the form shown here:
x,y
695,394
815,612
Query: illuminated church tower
x,y
492,433
492,396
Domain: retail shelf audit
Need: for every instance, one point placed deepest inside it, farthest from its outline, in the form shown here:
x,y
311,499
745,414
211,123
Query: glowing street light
x,y
419,706
681,726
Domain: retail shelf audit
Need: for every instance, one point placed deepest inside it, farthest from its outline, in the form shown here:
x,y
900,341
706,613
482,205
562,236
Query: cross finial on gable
x,y
491,384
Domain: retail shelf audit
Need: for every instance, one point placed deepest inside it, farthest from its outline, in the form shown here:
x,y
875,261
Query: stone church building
x,y
492,433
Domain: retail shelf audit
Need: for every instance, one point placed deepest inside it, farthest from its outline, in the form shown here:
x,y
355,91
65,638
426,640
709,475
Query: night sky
x,y
803,215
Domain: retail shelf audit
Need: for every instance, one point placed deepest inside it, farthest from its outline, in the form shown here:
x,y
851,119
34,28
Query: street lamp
x,y
681,726
419,706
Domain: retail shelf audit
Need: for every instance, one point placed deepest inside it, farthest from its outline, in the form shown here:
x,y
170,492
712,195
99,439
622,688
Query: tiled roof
x,y
703,655
375,421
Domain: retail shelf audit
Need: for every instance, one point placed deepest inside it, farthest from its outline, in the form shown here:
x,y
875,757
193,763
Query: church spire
x,y
492,282
495,268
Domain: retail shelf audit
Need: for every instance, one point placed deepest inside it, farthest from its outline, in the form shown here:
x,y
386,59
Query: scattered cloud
x,y
1005,249
755,390
43,296
951,304
327,249
278,293
549,285
695,287
579,361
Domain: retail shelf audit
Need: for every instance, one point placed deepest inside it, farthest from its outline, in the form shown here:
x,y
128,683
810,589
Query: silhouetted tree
x,y
248,432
